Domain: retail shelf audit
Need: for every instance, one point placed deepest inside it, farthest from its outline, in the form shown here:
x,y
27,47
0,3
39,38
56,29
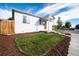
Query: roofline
x,y
19,11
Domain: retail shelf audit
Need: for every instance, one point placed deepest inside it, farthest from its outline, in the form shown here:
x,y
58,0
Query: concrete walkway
x,y
74,45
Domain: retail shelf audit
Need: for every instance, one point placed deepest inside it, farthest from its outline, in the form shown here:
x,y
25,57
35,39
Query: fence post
x,y
7,28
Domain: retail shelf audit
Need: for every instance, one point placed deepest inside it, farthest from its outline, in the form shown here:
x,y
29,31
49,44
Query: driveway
x,y
74,43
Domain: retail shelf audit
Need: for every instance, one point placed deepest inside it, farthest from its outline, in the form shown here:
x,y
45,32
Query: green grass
x,y
38,43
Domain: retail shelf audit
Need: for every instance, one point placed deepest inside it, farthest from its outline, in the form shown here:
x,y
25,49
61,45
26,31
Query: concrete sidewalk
x,y
74,45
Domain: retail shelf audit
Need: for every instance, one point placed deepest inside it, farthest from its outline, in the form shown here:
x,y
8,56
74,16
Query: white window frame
x,y
26,19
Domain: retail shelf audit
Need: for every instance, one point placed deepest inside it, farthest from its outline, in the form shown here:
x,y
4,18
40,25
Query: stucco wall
x,y
21,27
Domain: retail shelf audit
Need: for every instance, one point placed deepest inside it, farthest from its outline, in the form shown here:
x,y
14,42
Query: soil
x,y
8,47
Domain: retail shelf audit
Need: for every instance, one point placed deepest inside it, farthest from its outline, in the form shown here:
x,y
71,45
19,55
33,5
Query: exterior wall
x,y
21,27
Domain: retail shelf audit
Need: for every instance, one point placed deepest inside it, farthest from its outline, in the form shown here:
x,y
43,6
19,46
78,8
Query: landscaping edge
x,y
61,49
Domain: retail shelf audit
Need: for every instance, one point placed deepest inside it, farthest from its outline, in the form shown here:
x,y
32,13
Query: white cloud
x,y
29,10
51,9
74,13
5,14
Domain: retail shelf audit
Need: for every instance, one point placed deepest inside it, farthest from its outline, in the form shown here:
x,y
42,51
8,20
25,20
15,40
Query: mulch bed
x,y
61,49
8,47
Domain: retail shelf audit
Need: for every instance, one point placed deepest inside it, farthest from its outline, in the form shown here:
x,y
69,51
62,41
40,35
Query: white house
x,y
24,22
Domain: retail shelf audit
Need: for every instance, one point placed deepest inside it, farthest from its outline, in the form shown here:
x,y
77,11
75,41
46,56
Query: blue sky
x,y
67,12
35,7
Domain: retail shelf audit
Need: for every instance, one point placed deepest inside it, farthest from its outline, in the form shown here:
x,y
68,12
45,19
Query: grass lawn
x,y
38,43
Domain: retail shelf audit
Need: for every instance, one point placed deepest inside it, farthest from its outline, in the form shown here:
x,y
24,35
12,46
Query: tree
x,y
63,27
59,23
67,24
77,26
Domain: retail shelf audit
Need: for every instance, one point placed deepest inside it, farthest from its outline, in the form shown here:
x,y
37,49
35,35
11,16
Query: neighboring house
x,y
25,23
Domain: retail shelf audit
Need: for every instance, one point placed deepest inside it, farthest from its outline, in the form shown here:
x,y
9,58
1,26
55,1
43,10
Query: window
x,y
24,19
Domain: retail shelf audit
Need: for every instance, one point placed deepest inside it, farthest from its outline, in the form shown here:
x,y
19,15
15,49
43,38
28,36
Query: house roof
x,y
19,11
47,17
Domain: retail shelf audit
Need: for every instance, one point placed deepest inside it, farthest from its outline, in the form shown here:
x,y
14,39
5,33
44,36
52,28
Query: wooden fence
x,y
7,27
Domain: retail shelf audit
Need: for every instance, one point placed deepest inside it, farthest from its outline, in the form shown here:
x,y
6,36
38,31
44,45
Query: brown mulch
x,y
8,47
61,49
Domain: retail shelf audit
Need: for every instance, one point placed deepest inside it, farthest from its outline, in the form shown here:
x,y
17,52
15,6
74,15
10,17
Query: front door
x,y
45,25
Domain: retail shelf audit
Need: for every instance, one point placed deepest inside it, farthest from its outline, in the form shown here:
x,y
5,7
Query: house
x,y
26,23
